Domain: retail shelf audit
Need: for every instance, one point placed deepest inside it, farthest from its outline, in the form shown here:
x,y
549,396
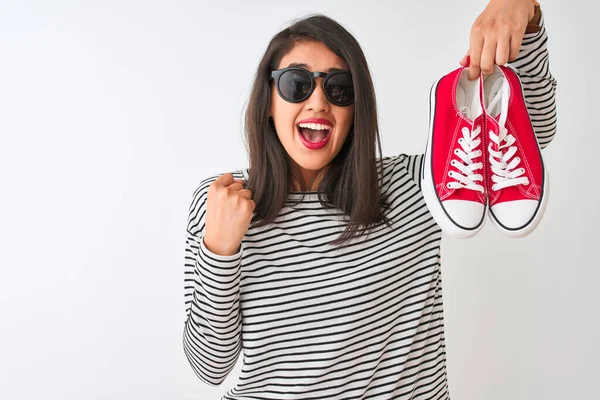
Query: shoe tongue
x,y
494,97
466,111
475,101
471,108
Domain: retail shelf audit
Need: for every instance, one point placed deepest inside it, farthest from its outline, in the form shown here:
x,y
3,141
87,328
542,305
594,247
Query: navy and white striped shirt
x,y
318,322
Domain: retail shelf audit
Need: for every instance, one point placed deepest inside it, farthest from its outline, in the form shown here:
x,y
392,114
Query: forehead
x,y
315,55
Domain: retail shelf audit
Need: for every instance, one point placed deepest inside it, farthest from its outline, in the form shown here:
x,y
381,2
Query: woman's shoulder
x,y
402,164
400,167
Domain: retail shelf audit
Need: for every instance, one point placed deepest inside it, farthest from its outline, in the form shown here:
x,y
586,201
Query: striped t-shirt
x,y
318,322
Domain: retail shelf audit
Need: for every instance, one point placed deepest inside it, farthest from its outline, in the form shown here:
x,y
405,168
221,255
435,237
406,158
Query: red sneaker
x,y
518,181
453,172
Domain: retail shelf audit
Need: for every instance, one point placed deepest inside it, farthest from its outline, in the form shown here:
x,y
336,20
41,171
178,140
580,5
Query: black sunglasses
x,y
296,84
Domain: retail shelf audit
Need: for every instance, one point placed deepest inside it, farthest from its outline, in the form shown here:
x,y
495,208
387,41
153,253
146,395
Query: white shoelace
x,y
468,177
504,168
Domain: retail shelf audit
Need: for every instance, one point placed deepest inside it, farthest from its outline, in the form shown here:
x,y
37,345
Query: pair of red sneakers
x,y
482,156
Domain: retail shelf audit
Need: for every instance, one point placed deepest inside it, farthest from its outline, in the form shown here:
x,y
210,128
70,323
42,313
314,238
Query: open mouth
x,y
314,133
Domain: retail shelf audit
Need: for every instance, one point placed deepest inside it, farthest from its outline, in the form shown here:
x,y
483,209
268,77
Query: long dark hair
x,y
350,182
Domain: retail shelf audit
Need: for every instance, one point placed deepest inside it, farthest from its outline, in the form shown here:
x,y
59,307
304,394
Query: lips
x,y
317,123
314,145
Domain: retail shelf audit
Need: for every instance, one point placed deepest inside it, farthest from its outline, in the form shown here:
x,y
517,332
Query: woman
x,y
322,260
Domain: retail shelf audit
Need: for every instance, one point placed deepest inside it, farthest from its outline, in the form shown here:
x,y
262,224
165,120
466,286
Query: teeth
x,y
314,127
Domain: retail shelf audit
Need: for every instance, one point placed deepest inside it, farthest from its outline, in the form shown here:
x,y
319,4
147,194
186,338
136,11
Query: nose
x,y
317,100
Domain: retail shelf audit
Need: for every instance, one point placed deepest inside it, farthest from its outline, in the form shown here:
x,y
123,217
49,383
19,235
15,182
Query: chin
x,y
312,164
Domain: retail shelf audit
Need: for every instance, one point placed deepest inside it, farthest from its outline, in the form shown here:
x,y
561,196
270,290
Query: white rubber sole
x,y
428,187
532,224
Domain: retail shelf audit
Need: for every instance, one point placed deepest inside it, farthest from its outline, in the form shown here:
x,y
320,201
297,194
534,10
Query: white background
x,y
111,112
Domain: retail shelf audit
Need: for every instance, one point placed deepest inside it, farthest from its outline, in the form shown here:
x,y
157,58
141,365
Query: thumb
x,y
465,60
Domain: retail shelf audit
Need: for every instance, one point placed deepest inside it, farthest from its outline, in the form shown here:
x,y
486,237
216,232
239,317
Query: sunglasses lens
x,y
340,89
294,85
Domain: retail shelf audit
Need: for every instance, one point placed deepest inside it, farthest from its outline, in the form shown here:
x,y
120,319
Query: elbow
x,y
201,369
211,364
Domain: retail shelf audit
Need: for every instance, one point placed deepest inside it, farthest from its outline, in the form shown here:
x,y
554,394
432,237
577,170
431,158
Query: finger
x,y
515,46
244,182
476,47
488,56
502,50
235,186
473,73
246,193
225,179
464,60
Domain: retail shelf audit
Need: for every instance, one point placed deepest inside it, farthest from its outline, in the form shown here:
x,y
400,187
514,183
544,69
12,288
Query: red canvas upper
x,y
519,125
447,125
